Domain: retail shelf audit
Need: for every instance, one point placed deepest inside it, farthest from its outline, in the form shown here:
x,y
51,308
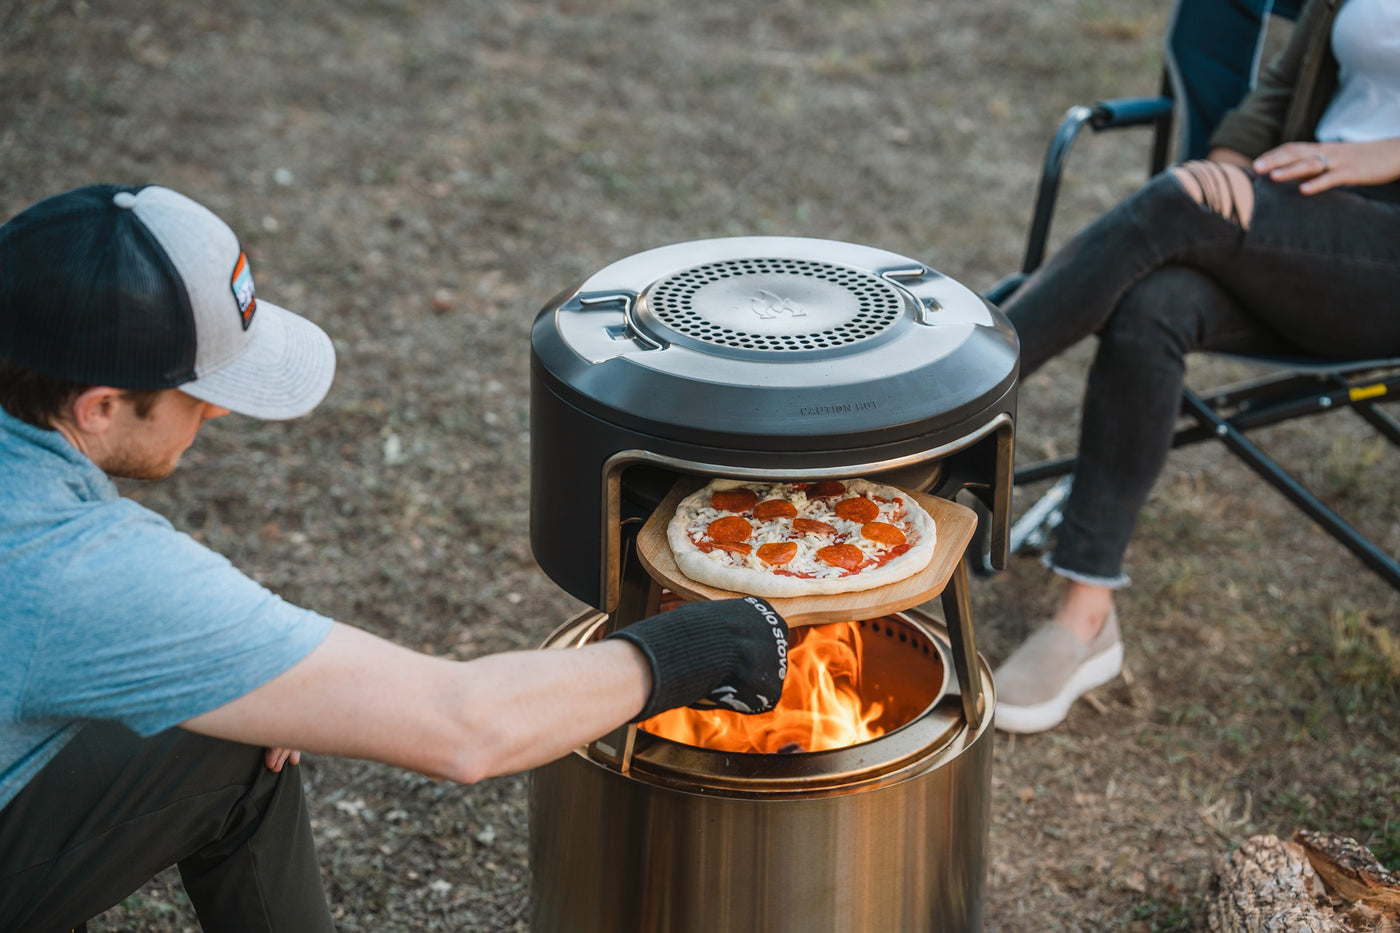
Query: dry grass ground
x,y
421,177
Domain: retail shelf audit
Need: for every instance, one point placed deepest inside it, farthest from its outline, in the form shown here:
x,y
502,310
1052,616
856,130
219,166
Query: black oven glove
x,y
727,653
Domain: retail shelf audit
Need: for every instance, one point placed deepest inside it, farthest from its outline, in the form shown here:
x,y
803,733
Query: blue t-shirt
x,y
107,612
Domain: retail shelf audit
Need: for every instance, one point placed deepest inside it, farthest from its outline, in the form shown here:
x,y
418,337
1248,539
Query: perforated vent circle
x,y
775,304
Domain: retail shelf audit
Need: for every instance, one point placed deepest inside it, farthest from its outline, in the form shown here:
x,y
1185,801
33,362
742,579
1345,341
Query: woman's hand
x,y
1321,166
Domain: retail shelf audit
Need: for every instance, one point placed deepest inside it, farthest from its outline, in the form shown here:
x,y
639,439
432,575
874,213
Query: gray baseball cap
x,y
140,287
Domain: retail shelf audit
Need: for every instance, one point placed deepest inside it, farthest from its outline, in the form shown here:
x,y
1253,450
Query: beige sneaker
x,y
1044,676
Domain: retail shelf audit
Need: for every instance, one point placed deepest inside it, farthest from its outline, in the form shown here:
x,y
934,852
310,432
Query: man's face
x,y
150,447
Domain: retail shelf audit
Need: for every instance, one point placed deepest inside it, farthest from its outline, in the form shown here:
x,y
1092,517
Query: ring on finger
x,y
1322,157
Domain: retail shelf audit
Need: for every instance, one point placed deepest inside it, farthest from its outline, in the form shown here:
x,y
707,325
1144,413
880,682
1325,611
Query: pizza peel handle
x,y
954,525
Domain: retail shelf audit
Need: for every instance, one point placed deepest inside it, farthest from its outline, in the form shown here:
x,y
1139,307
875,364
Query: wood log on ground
x,y
1268,886
1351,872
1317,883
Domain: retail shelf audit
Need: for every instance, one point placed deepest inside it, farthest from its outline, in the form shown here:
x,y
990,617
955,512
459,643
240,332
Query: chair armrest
x,y
1117,112
1108,114
1005,288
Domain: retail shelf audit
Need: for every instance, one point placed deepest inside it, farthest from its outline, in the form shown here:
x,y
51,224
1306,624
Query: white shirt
x,y
1366,43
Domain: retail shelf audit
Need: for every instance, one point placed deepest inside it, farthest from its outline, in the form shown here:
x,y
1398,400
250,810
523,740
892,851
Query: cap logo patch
x,y
243,290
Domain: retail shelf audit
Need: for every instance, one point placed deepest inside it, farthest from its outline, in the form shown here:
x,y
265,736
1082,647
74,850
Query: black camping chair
x,y
1211,56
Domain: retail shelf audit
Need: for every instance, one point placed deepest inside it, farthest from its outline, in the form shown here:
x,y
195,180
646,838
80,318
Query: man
x,y
150,694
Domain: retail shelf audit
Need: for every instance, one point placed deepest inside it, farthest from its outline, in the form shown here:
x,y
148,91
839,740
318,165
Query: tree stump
x,y
1316,883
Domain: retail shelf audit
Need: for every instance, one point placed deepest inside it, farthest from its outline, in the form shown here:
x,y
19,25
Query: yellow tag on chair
x,y
1364,392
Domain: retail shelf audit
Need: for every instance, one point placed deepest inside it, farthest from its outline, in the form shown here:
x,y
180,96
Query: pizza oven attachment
x,y
775,357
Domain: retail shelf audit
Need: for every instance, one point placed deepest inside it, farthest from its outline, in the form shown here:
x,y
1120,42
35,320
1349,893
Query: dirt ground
x,y
420,178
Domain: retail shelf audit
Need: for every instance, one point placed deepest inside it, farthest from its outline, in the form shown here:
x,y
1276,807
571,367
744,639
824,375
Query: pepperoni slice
x,y
882,533
845,556
810,526
778,552
859,509
744,549
770,509
737,499
826,489
731,529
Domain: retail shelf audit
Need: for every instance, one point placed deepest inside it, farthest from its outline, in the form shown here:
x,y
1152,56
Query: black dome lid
x,y
775,342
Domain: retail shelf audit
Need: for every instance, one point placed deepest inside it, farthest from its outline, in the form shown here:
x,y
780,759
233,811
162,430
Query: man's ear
x,y
93,408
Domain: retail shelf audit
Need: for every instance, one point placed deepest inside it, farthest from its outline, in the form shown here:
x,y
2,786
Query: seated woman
x,y
1286,239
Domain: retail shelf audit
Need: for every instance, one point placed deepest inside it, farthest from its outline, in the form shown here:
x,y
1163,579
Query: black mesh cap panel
x,y
89,296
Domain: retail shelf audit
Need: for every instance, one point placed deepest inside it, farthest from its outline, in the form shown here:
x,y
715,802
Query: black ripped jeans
x,y
1160,276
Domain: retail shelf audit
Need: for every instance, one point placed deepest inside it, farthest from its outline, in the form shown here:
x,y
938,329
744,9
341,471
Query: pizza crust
x,y
750,575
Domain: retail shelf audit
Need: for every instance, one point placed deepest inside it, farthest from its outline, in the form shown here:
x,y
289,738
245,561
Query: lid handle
x,y
629,329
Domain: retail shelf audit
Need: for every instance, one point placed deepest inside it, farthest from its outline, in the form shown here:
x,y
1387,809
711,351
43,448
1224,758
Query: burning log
x,y
1317,882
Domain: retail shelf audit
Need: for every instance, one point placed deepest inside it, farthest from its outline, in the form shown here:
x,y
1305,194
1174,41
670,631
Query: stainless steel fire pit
x,y
888,835
786,359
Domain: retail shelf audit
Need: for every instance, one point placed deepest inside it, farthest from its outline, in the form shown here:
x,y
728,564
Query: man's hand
x,y
1322,166
729,653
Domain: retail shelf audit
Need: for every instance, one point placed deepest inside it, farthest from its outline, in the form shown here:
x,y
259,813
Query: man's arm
x,y
362,696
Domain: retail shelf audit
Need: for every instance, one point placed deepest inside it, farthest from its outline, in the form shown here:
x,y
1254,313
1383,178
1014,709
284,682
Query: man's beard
x,y
132,465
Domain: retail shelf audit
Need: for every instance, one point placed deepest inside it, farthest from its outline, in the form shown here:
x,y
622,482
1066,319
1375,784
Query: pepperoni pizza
x,y
800,539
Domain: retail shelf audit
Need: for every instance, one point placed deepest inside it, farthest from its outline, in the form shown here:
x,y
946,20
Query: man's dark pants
x,y
112,810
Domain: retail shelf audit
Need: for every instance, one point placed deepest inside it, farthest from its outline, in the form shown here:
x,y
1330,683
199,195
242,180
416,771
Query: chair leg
x,y
1030,534
1261,463
1382,421
1032,530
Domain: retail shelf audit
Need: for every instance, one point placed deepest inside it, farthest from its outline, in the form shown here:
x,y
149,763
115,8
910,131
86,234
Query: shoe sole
x,y
1095,672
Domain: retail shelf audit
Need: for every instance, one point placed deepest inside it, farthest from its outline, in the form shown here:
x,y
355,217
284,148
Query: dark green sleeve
x,y
1257,124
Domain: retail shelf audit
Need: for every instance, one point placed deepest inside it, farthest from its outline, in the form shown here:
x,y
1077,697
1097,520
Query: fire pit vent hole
x,y
895,632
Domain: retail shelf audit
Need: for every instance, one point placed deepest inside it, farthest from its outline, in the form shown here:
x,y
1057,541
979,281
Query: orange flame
x,y
821,707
